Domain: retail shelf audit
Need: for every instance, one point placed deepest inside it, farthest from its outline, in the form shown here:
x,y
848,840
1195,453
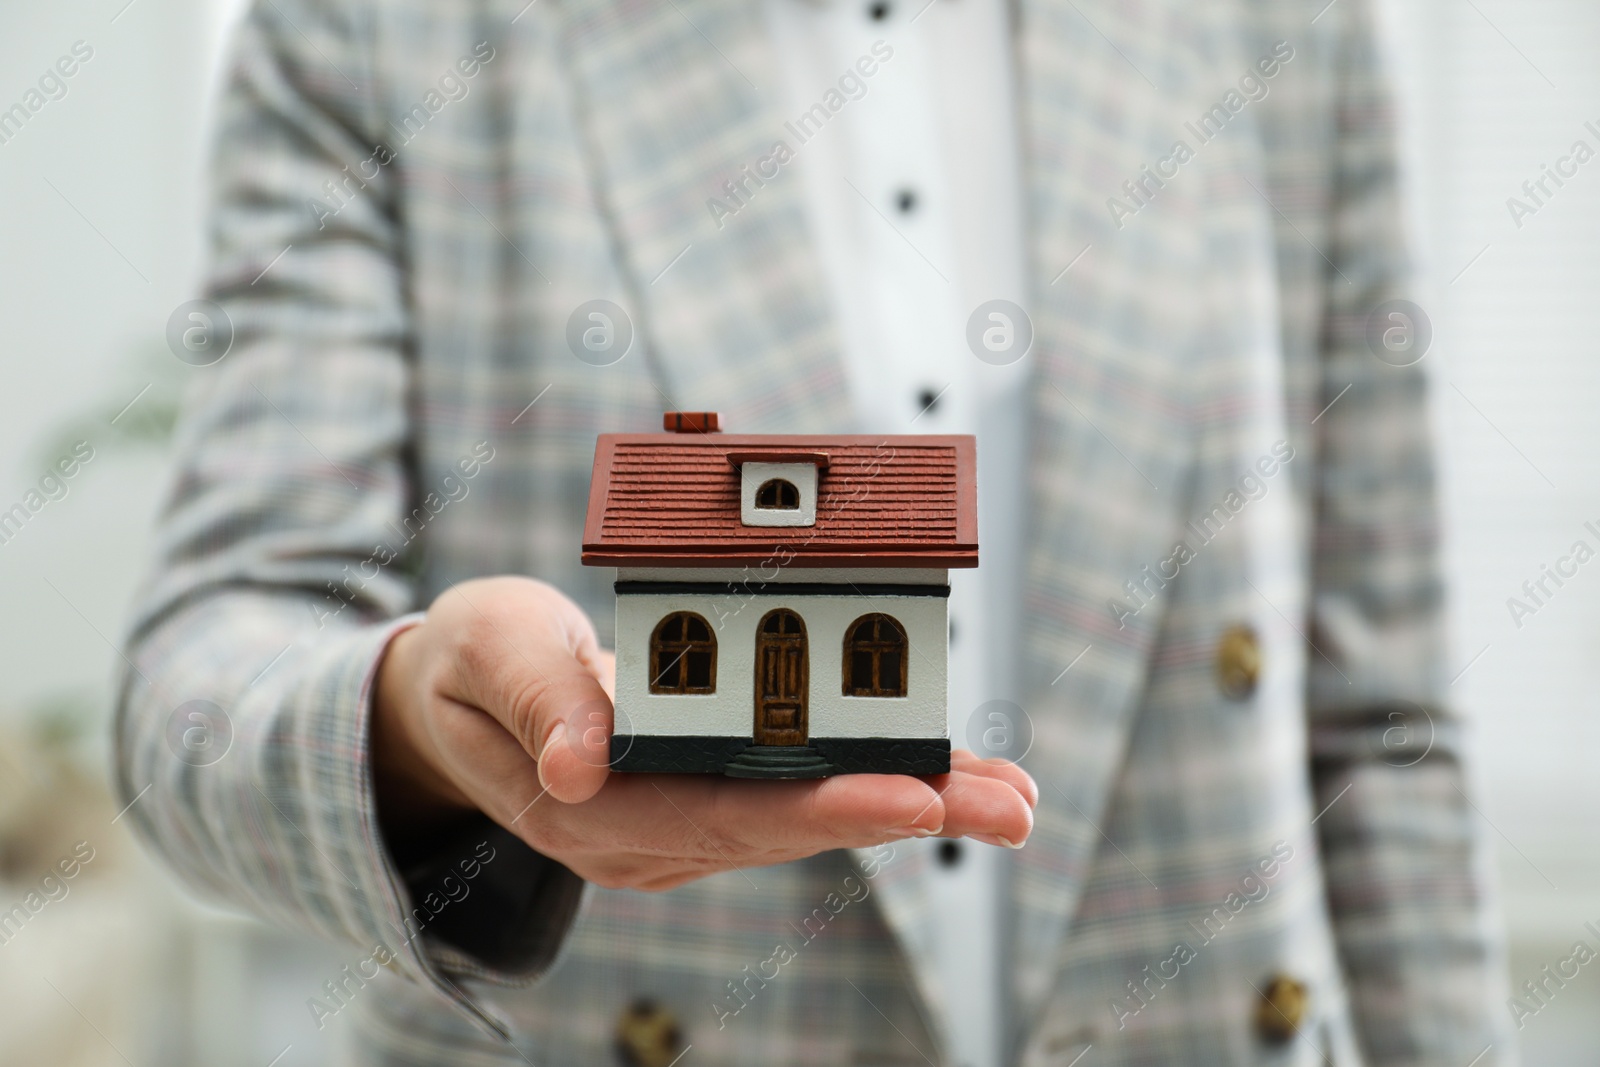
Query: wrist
x,y
410,786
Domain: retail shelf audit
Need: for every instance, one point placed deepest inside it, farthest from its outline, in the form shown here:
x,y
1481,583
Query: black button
x,y
906,201
879,11
949,853
927,400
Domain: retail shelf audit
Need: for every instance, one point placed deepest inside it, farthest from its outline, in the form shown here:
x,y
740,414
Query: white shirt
x,y
913,188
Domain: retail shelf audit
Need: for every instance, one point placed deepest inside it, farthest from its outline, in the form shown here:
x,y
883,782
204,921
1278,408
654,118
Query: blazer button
x,y
1238,662
647,1035
1281,1009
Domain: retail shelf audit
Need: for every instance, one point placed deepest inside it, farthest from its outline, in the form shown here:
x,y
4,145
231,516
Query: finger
x,y
489,765
669,882
986,809
805,817
528,657
750,823
1002,769
865,807
605,671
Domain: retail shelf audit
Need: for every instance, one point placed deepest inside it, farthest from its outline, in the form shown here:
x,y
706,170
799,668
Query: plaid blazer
x,y
1232,538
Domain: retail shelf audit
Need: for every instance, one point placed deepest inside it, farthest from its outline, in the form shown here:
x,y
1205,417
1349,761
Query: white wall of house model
x,y
734,618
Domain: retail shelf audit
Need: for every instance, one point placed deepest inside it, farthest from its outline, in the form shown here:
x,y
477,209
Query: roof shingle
x,y
673,500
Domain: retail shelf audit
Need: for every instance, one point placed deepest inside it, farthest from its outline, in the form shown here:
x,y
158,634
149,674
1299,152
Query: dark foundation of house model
x,y
781,600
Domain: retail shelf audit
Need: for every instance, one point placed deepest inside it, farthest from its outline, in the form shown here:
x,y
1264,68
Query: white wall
x,y
1492,90
101,238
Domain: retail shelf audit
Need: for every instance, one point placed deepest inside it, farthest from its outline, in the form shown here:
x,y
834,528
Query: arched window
x,y
683,655
778,494
875,658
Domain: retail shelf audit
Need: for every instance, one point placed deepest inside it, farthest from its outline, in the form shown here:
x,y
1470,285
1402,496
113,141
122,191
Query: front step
x,y
778,761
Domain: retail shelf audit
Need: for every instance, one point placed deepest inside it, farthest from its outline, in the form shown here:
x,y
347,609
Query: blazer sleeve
x,y
242,722
1401,842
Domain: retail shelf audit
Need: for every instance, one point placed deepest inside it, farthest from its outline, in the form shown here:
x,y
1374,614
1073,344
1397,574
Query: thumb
x,y
573,723
528,656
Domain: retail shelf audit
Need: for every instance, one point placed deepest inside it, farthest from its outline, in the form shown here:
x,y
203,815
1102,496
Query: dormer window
x,y
778,494
778,488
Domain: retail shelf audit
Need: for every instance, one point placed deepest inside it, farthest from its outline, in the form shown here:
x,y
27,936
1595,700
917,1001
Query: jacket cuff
x,y
477,902
487,906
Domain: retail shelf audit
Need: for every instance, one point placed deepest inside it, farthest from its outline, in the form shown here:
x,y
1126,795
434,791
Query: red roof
x,y
672,499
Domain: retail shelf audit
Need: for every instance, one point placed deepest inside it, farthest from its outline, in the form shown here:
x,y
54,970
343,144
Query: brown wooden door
x,y
781,672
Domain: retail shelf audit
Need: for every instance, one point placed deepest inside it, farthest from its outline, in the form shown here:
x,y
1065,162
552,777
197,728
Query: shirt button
x,y
906,201
1281,1009
927,401
647,1035
1238,662
878,11
949,853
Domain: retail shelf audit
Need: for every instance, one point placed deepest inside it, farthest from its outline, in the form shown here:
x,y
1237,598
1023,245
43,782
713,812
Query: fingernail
x,y
556,733
917,831
994,839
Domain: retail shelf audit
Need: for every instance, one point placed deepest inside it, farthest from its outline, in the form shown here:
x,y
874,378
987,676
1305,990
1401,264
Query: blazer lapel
x,y
678,99
1123,319
1120,329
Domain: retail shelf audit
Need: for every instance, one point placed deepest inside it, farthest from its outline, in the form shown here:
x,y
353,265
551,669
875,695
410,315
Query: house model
x,y
782,601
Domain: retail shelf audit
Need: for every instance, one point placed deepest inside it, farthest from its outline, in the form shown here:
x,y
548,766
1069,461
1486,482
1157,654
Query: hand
x,y
500,702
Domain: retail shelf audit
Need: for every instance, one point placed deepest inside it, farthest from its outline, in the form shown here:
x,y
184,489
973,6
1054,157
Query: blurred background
x,y
101,238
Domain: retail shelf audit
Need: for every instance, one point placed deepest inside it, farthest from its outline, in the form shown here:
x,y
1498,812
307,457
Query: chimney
x,y
692,422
